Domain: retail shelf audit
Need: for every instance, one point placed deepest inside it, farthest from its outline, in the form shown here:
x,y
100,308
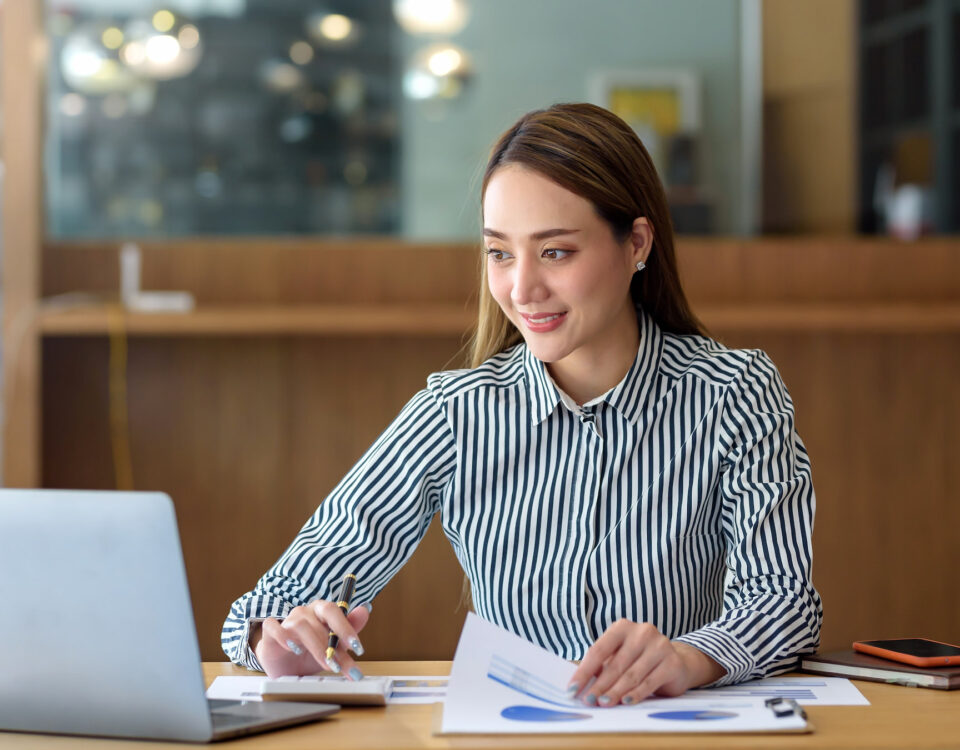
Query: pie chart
x,y
693,715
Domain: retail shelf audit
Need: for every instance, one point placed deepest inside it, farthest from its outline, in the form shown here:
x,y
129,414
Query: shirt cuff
x,y
724,649
247,657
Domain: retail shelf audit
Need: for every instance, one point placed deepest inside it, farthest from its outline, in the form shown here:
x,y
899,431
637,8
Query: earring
x,y
641,265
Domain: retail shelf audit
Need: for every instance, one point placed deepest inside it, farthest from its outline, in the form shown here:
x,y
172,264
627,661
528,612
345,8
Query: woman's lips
x,y
543,322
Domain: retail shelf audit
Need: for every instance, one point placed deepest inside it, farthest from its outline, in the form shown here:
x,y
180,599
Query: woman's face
x,y
557,271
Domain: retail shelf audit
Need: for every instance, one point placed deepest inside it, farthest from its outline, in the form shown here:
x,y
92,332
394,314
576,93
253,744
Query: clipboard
x,y
501,684
780,707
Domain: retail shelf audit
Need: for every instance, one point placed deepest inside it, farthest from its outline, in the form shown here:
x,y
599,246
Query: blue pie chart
x,y
693,715
535,713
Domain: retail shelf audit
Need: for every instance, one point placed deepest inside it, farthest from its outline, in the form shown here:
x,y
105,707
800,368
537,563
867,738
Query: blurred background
x,y
248,116
238,234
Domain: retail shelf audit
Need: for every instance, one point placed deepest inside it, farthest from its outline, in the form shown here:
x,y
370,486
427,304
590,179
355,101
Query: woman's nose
x,y
528,283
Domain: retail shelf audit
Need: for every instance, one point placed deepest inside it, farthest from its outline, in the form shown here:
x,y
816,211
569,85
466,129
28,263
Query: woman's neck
x,y
592,371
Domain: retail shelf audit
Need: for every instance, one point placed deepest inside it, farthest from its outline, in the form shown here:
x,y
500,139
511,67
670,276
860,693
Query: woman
x,y
618,487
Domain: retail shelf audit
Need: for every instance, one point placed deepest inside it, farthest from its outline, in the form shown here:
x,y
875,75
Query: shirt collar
x,y
543,393
627,397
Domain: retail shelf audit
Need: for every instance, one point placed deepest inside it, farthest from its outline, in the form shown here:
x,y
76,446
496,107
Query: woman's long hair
x,y
593,153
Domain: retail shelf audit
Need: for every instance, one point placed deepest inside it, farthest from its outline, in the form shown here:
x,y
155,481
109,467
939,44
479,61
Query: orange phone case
x,y
916,661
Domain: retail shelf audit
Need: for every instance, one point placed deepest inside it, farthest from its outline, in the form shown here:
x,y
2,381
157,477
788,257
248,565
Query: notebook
x,y
95,598
857,666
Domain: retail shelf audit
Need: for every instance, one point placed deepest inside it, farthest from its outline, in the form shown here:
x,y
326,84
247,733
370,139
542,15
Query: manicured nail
x,y
604,700
355,674
295,648
334,665
627,700
591,700
356,647
368,606
573,688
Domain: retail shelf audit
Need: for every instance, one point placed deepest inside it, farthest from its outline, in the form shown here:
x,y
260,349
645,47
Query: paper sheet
x,y
503,684
404,689
807,691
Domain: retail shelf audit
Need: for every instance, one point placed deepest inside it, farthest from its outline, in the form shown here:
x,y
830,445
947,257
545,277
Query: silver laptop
x,y
97,628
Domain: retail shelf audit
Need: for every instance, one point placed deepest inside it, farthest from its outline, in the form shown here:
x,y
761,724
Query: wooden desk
x,y
898,717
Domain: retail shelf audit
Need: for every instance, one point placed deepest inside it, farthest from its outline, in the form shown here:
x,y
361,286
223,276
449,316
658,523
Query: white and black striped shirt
x,y
683,499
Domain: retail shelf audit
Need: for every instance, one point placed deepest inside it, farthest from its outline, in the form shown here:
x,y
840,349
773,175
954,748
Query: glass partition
x,y
267,117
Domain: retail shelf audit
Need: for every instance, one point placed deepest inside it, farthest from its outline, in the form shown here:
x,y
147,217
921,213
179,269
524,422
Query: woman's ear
x,y
641,240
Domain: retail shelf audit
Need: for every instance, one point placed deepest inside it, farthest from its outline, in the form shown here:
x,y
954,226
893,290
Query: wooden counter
x,y
897,717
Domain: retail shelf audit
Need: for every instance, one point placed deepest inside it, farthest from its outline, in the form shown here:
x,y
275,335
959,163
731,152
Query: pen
x,y
343,601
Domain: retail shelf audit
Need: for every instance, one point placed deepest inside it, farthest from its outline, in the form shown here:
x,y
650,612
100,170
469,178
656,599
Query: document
x,y
503,684
807,691
403,689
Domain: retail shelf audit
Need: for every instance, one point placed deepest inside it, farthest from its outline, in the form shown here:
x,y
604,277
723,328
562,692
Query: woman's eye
x,y
555,253
496,255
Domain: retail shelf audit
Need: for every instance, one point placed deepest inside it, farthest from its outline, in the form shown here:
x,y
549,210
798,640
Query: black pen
x,y
343,601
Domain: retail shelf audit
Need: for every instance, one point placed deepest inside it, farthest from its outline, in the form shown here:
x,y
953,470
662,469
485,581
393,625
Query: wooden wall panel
x,y
291,271
878,415
248,433
729,270
22,47
248,436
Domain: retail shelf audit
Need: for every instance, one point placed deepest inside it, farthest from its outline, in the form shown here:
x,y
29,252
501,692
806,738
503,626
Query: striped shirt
x,y
683,499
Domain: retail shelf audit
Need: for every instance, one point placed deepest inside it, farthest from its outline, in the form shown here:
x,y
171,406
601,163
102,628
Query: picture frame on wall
x,y
663,106
657,103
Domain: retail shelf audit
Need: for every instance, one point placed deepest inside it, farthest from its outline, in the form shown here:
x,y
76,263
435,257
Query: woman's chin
x,y
546,352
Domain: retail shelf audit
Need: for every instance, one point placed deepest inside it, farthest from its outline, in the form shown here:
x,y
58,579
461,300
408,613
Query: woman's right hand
x,y
298,645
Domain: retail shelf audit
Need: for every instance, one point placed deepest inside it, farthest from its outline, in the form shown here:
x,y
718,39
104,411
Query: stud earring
x,y
641,265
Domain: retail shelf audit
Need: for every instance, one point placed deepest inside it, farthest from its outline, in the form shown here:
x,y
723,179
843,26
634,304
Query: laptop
x,y
97,628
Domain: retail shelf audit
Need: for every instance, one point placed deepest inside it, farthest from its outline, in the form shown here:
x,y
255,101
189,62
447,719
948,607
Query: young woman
x,y
618,487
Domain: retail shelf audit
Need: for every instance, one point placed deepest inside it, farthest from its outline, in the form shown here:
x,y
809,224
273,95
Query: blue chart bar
x,y
797,694
522,681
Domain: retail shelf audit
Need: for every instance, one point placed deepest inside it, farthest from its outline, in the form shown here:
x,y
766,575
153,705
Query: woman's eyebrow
x,y
542,235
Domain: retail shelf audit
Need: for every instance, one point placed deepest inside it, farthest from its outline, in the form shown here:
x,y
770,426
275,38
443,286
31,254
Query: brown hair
x,y
596,155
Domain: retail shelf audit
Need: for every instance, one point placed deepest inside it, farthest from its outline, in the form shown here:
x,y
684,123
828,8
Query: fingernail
x,y
368,606
627,700
591,700
604,700
355,674
356,647
334,665
295,648
573,688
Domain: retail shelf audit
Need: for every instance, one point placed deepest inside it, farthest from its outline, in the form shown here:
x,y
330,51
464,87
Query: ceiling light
x,y
163,20
431,16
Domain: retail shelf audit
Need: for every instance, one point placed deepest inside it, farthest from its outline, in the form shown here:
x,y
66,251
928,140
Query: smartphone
x,y
920,652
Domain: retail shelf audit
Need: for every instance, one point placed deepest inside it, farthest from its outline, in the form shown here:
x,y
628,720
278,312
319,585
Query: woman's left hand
x,y
632,661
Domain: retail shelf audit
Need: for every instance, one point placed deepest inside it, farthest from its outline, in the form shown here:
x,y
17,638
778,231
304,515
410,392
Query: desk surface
x,y
898,717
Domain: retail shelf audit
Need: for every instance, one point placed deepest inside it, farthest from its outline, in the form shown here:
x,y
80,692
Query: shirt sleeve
x,y
771,612
369,525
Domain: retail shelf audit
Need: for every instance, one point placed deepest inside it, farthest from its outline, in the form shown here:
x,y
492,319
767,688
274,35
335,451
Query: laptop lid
x,y
98,630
